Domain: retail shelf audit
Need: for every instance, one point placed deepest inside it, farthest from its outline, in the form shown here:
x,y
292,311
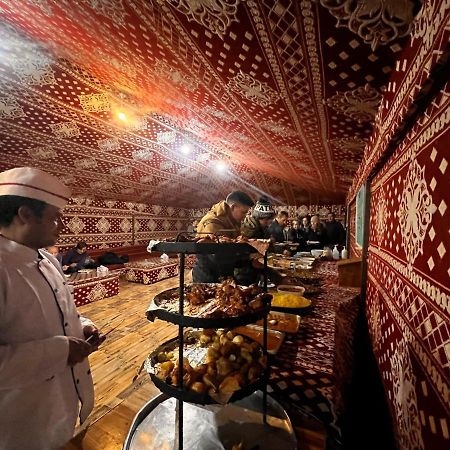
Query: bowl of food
x,y
291,289
317,253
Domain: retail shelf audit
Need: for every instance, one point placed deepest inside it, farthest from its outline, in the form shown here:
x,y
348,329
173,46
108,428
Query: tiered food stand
x,y
181,393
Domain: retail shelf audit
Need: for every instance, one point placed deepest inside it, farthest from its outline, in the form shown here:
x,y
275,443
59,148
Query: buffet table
x,y
313,368
88,287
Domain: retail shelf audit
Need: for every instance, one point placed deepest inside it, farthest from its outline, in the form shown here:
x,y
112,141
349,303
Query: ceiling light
x,y
186,149
221,166
122,116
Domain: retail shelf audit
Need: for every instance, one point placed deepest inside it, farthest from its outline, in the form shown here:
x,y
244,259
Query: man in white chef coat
x,y
44,370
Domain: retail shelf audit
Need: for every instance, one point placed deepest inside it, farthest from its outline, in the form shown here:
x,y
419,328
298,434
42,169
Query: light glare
x,y
186,149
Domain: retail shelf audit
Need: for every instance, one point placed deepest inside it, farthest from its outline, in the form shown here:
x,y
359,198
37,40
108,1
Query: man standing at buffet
x,y
276,228
44,371
223,219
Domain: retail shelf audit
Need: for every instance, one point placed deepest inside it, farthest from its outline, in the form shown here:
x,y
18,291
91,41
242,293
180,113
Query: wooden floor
x,y
117,397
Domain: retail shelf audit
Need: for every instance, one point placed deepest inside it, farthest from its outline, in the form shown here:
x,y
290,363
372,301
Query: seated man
x,y
224,218
77,258
316,236
54,251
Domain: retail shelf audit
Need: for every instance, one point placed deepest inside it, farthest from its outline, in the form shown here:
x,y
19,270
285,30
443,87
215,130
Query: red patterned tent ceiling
x,y
107,93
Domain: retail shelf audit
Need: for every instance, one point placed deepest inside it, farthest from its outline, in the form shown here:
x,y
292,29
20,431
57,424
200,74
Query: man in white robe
x,y
44,370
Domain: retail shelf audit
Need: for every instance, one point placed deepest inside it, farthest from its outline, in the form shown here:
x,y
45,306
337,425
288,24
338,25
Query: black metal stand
x,y
183,248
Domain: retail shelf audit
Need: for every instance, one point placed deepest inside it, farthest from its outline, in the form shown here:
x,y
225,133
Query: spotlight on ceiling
x,y
221,166
122,116
186,149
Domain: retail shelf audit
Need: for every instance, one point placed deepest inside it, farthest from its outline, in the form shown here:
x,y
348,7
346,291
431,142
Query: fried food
x,y
228,363
221,300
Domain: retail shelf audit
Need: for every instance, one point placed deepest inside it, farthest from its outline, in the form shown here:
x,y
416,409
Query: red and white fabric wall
x,y
408,293
109,223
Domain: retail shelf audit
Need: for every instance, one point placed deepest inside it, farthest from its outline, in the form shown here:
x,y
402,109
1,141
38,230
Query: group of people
x,y
75,259
232,217
311,233
45,379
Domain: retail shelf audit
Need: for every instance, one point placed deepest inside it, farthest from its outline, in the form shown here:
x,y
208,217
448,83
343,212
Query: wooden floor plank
x,y
117,397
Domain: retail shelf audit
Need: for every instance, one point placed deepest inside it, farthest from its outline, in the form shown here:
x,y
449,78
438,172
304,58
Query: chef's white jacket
x,y
40,395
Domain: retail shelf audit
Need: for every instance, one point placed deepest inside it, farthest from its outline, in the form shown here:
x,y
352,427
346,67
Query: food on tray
x,y
256,333
290,301
280,321
219,300
215,362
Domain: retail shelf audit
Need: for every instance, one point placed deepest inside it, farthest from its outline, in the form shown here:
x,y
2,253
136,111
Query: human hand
x,y
64,268
93,336
79,349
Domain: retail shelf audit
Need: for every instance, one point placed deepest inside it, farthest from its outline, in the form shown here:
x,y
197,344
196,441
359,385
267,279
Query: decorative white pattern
x,y
405,399
42,152
75,225
86,163
173,75
130,275
252,89
65,129
216,15
151,224
34,69
121,170
360,104
102,185
125,225
381,216
109,144
10,109
95,102
143,155
278,128
103,225
415,211
98,292
163,274
353,144
111,9
374,321
378,22
166,137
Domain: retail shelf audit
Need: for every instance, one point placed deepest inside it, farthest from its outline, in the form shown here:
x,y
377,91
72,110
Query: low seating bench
x,y
150,270
88,287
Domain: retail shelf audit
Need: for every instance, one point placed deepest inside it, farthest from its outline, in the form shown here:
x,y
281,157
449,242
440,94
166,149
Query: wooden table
x,y
88,287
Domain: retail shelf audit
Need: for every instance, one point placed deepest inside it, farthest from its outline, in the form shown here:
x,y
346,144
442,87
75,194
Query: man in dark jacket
x,y
277,226
77,258
335,231
224,218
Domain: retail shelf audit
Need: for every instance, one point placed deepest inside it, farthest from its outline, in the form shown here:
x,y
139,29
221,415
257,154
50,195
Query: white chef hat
x,y
36,184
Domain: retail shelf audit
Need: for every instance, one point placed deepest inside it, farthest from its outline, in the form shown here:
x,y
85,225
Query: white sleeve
x,y
85,322
28,363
